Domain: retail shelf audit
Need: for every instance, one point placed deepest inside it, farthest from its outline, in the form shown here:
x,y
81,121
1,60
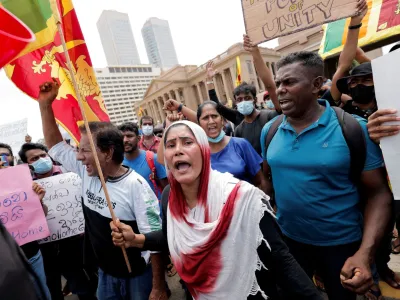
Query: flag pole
x,y
88,131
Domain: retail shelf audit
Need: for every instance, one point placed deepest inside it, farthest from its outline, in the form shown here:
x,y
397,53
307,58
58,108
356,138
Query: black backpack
x,y
353,134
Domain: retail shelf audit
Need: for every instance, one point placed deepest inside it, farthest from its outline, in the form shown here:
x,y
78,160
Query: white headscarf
x,y
214,245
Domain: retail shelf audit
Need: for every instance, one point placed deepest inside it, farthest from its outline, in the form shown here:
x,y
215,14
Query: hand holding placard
x,y
64,202
269,19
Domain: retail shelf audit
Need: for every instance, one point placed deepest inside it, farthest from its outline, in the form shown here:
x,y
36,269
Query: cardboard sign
x,y
14,134
386,78
269,19
63,199
20,209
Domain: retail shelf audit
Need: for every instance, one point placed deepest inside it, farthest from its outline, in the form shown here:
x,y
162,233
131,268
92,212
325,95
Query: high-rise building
x,y
159,44
117,38
122,87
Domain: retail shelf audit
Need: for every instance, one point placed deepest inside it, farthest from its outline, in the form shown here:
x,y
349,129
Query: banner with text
x,y
381,22
20,209
14,134
63,199
269,19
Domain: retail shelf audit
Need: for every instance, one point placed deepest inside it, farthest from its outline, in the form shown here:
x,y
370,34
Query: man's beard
x,y
133,148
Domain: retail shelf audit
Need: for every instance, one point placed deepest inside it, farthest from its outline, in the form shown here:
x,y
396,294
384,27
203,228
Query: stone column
x,y
199,93
161,104
228,95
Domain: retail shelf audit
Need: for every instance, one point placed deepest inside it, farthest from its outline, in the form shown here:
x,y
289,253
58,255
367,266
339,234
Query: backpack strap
x,y
153,174
355,139
272,131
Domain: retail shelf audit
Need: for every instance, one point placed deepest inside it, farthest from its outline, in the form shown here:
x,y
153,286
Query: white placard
x,y
63,199
14,134
386,78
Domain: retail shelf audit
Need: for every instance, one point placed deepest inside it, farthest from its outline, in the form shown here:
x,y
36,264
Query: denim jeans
x,y
135,288
36,263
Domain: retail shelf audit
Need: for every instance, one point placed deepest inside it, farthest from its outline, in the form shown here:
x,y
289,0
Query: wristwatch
x,y
180,108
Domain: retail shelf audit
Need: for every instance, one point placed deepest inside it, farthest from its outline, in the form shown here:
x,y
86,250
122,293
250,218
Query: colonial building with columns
x,y
187,84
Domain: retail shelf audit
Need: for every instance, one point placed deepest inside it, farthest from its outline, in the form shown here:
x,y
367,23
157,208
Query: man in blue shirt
x,y
318,204
153,172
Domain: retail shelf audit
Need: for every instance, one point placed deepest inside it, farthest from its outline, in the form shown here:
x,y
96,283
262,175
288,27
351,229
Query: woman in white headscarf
x,y
220,232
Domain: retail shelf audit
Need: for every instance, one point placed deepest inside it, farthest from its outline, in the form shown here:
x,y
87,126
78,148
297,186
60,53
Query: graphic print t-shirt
x,y
134,203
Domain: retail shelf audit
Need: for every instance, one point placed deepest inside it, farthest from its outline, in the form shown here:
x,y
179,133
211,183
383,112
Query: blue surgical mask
x,y
218,138
246,107
147,130
42,166
270,105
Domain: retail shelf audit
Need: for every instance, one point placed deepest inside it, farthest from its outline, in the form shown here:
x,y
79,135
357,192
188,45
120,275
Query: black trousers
x,y
65,257
328,262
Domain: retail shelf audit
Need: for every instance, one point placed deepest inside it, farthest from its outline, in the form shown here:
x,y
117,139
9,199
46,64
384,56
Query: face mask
x,y
42,166
218,138
363,94
147,130
246,107
270,105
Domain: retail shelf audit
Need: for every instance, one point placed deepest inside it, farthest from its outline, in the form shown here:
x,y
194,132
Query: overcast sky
x,y
200,29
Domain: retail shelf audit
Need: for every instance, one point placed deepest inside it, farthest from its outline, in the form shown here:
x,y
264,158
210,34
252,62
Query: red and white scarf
x,y
214,245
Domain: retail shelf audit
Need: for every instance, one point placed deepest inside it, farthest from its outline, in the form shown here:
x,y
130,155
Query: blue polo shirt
x,y
317,203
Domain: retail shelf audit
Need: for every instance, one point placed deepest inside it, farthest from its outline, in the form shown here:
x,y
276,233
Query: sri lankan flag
x,y
382,21
44,59
238,80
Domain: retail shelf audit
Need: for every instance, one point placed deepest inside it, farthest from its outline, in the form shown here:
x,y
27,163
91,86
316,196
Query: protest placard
x,y
63,199
14,134
386,78
20,209
269,19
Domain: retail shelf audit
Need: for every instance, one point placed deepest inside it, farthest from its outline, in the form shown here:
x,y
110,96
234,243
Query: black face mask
x,y
363,94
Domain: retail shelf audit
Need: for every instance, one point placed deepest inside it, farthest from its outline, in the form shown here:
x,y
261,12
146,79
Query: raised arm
x,y
349,50
228,113
262,70
173,105
361,57
48,93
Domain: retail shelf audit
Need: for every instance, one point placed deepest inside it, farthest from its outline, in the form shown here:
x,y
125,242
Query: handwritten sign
x,y
20,209
14,134
63,199
386,77
269,19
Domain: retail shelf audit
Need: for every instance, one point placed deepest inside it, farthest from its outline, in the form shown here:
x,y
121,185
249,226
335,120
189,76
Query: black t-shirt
x,y
355,110
252,131
30,249
349,107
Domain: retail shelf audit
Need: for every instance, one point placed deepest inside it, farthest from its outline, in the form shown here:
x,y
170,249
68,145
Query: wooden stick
x,y
88,131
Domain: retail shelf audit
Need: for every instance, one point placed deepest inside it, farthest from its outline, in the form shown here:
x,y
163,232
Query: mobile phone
x,y
4,158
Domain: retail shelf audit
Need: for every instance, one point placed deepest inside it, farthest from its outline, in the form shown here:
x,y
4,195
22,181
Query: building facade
x,y
122,87
187,84
117,38
159,44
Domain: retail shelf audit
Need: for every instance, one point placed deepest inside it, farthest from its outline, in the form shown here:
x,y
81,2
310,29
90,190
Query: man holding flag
x,y
132,199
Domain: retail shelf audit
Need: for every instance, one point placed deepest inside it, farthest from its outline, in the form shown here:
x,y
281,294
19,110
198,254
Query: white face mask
x,y
147,130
